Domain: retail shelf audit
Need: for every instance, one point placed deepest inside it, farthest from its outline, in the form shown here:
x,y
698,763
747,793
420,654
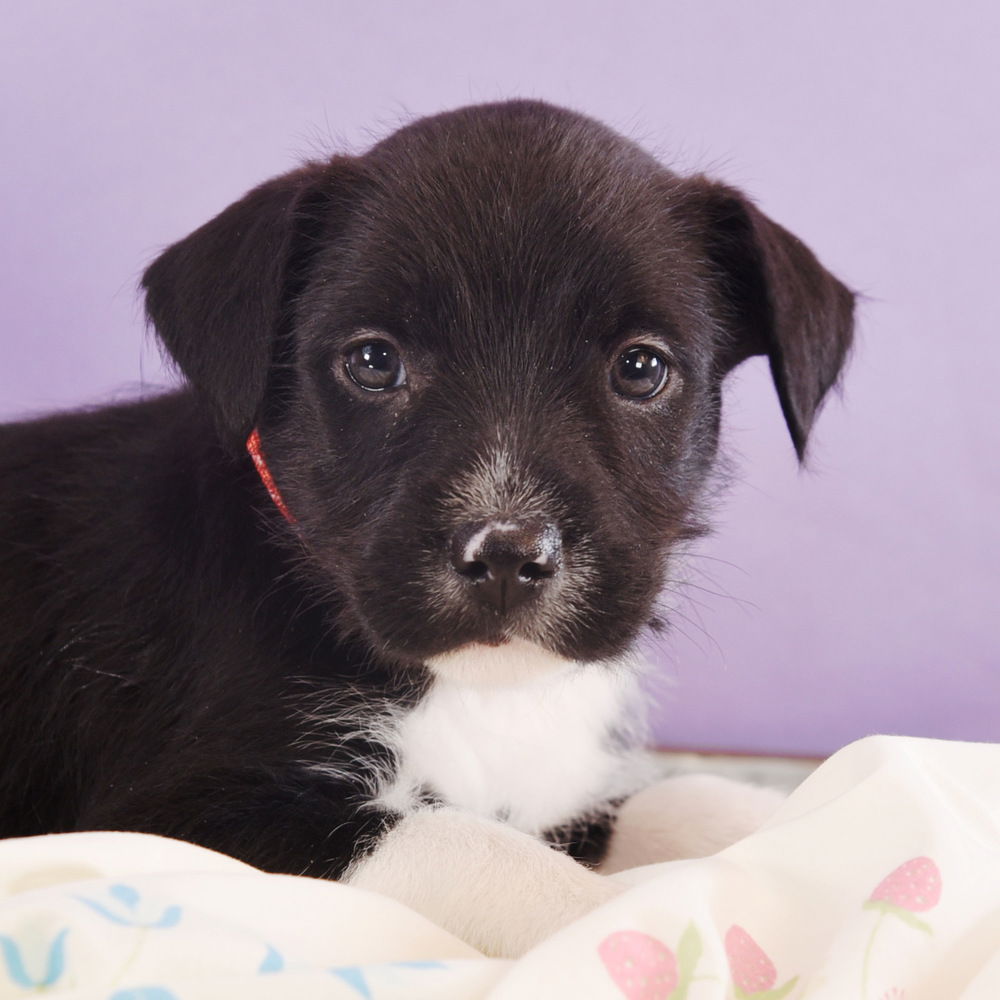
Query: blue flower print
x,y
273,962
355,975
143,993
125,909
16,969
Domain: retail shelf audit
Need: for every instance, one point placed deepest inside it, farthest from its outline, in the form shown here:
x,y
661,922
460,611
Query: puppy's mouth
x,y
496,586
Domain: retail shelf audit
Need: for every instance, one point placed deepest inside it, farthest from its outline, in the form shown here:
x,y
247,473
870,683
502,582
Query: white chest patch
x,y
533,750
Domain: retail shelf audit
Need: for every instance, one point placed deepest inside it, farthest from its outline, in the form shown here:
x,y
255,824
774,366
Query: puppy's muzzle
x,y
506,562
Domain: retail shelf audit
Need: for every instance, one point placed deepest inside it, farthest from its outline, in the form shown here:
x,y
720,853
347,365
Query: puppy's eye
x,y
375,365
639,372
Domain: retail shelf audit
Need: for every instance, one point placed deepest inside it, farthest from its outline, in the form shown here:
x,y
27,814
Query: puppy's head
x,y
485,360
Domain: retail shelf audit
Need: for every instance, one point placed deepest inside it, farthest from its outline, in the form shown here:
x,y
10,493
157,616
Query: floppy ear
x,y
220,298
778,300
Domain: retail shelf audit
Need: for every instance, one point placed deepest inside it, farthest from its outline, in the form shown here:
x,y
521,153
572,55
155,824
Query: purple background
x,y
858,596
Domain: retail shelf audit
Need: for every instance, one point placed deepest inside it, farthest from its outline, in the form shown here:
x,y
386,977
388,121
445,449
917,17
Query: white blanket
x,y
879,880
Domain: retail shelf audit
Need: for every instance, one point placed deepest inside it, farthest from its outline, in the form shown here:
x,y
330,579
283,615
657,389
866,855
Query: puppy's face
x,y
490,394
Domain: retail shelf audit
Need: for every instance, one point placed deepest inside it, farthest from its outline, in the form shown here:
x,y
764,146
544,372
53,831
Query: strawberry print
x,y
754,974
911,888
915,886
753,971
642,967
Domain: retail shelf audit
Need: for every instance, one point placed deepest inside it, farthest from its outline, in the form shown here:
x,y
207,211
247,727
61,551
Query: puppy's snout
x,y
506,562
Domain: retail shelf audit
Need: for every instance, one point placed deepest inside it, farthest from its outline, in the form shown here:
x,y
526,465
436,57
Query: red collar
x,y
254,448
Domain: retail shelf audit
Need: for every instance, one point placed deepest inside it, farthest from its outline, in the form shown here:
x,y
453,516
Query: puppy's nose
x,y
506,561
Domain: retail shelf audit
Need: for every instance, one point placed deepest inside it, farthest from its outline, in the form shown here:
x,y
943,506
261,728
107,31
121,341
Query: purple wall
x,y
859,596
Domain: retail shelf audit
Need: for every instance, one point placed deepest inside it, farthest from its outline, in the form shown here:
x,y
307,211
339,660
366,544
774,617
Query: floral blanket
x,y
878,880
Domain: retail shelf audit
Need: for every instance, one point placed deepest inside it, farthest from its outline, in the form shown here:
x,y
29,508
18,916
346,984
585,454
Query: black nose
x,y
506,561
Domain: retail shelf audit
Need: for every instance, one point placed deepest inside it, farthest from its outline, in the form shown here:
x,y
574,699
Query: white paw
x,y
500,890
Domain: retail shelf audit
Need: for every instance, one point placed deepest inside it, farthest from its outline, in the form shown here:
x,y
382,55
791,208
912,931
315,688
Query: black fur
x,y
168,642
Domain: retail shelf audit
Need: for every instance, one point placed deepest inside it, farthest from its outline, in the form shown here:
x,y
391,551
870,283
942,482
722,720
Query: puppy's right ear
x,y
220,298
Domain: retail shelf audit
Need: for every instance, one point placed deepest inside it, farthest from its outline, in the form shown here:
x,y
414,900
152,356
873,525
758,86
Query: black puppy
x,y
359,601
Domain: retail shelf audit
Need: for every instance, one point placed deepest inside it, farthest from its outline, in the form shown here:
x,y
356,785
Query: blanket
x,y
879,879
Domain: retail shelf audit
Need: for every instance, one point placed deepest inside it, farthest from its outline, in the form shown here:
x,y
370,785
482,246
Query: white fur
x,y
516,732
500,890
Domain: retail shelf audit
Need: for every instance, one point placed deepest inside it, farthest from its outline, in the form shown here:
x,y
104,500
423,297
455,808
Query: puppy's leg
x,y
495,887
690,816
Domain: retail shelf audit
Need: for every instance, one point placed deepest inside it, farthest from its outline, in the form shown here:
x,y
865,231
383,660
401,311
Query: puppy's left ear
x,y
776,299
220,298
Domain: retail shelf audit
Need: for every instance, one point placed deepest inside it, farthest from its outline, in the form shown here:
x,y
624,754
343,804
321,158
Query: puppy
x,y
358,601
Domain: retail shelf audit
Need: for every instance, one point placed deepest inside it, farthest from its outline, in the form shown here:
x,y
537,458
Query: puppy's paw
x,y
569,892
690,816
500,890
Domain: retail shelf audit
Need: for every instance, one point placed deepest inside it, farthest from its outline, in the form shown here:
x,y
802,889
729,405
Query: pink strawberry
x,y
753,971
915,886
642,967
